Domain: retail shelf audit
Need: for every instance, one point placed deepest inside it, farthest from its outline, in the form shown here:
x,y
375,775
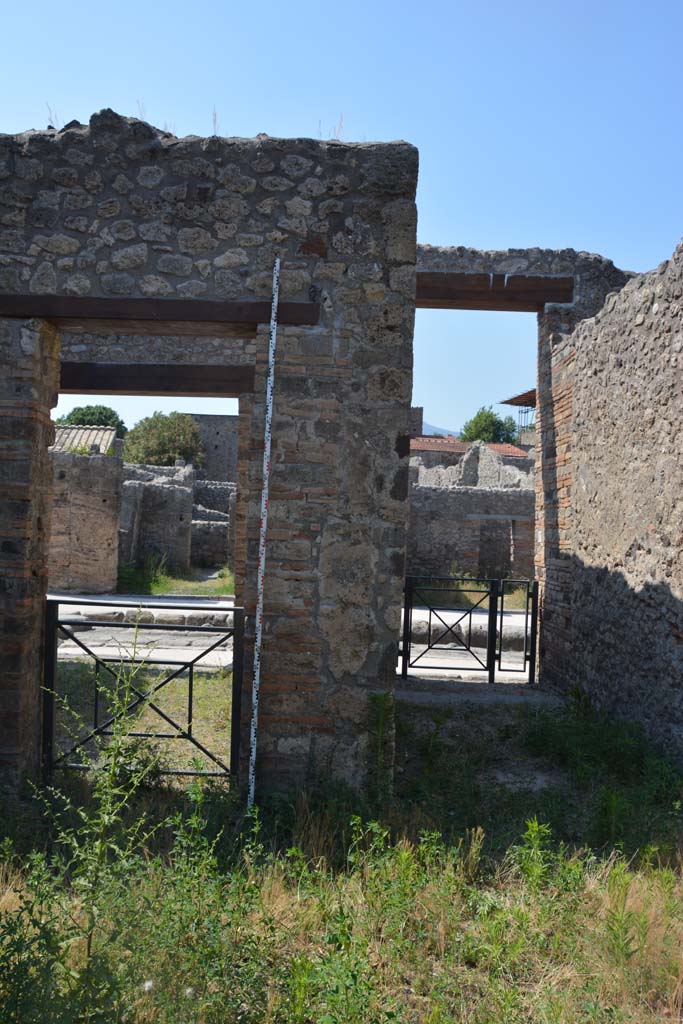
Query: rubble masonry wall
x,y
626,529
119,208
84,537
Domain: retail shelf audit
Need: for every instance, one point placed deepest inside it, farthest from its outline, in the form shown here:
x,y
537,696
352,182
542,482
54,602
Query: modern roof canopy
x,y
527,399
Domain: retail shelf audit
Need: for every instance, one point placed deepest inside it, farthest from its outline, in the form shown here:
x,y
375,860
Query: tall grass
x,y
136,904
155,578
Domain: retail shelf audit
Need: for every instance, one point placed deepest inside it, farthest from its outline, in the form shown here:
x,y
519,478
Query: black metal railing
x,y
465,624
530,611
139,696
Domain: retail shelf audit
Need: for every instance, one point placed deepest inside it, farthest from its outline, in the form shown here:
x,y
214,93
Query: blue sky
x,y
538,123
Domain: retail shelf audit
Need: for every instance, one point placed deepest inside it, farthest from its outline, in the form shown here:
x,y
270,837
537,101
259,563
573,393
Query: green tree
x,y
94,416
486,425
160,439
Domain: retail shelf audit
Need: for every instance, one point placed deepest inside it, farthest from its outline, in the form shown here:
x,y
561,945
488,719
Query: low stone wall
x,y
214,494
83,553
482,531
167,512
209,537
181,475
156,515
479,466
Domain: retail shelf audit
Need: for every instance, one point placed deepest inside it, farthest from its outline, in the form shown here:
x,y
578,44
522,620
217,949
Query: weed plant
x,y
154,577
462,591
137,903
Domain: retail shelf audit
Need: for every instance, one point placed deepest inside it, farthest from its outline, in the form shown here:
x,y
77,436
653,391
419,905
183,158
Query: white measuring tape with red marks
x,y
262,535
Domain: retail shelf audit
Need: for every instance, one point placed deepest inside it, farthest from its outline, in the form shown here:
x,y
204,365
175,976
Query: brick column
x,y
29,381
594,279
336,549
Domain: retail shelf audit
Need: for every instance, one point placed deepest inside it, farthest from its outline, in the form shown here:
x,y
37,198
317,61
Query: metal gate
x,y
148,678
456,623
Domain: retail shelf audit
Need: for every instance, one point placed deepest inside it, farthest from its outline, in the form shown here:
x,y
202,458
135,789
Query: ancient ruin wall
x,y
626,530
84,537
118,208
156,516
480,531
594,278
29,374
219,437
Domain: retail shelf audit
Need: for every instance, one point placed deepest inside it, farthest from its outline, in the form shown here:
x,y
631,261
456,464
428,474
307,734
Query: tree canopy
x,y
161,438
486,425
94,416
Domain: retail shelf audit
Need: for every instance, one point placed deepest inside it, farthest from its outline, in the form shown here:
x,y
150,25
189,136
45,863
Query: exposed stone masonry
x,y
471,512
119,208
594,278
625,531
219,437
84,537
29,374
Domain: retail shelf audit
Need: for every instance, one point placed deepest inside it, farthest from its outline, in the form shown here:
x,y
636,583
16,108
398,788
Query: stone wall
x,y
416,420
625,535
471,512
210,538
594,279
86,506
118,208
168,513
481,531
214,494
29,375
219,437
213,524
479,466
156,515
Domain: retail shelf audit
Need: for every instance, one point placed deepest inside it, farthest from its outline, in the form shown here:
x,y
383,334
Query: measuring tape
x,y
262,536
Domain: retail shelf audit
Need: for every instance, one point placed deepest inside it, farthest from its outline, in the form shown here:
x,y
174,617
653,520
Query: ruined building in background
x,y
219,440
471,509
98,221
107,514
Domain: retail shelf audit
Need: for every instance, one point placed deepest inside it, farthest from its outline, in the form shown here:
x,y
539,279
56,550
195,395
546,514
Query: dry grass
x,y
307,915
155,579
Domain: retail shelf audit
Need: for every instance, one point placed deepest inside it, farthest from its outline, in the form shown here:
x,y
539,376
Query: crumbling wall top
x,y
118,207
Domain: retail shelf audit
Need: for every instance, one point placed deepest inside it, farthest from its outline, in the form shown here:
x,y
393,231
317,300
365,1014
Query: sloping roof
x,y
454,446
510,450
527,399
81,439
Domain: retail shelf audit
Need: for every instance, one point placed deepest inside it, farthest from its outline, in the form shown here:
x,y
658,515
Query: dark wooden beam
x,y
184,379
524,293
153,328
167,316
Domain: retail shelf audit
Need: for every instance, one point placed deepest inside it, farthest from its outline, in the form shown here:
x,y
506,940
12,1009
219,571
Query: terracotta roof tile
x,y
69,439
453,445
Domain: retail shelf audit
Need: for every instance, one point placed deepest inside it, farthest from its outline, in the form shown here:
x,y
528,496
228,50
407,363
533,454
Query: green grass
x,y
211,709
463,594
155,579
471,896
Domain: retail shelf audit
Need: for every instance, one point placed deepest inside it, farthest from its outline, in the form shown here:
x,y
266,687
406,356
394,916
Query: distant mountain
x,y
429,428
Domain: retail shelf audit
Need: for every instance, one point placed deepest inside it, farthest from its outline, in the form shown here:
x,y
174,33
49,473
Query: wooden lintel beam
x,y
154,328
527,293
183,379
157,311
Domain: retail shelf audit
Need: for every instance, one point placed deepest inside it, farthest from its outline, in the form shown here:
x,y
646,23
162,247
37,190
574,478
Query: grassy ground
x,y
211,704
157,580
526,869
463,594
